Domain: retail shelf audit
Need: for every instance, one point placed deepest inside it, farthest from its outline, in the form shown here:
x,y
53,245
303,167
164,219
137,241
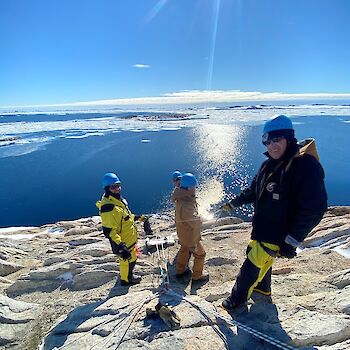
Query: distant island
x,y
6,141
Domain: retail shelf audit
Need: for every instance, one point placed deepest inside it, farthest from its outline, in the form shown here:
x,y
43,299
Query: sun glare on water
x,y
219,152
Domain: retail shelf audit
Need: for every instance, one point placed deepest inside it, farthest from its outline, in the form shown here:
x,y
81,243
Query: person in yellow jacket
x,y
188,227
118,224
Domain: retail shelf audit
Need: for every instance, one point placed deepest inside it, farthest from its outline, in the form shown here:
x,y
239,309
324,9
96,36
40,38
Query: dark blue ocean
x,y
51,166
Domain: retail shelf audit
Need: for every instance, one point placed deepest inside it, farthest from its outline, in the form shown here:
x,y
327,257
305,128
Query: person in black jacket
x,y
289,199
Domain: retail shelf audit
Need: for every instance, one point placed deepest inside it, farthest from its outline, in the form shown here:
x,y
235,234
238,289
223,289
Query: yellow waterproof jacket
x,y
117,220
188,223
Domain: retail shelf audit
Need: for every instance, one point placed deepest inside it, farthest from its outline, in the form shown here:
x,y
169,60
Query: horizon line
x,y
195,97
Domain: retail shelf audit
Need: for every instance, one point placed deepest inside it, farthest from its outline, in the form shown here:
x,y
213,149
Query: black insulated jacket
x,y
288,195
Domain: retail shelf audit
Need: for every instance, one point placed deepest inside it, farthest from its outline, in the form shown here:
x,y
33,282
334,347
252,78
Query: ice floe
x,y
37,131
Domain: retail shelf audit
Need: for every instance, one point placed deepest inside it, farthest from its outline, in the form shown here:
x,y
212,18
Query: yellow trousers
x,y
260,257
126,266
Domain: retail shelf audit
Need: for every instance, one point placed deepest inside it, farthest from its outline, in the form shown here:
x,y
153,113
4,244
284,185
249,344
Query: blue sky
x,y
66,51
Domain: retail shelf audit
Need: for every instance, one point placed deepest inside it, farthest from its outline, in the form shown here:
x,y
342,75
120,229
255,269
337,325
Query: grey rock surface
x,y
14,315
67,294
6,267
340,279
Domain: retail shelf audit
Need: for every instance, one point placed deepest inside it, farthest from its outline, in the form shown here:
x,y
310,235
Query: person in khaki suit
x,y
188,227
176,177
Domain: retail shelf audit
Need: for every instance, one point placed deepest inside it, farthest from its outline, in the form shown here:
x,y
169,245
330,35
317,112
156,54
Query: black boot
x,y
147,228
228,304
133,279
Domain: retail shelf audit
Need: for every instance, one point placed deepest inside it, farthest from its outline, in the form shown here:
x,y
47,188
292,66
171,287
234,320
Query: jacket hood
x,y
308,146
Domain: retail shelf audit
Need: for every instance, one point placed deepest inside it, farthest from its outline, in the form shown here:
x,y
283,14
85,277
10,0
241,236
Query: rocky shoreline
x,y
59,289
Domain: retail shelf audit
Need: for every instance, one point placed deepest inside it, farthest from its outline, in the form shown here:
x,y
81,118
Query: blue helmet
x,y
280,126
176,175
110,179
281,122
188,180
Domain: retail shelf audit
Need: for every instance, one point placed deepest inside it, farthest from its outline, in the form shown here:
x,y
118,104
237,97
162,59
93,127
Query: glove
x,y
141,218
106,231
147,228
150,313
227,206
123,251
287,251
167,315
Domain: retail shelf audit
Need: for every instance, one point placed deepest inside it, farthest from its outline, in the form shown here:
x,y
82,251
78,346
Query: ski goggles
x,y
115,186
273,140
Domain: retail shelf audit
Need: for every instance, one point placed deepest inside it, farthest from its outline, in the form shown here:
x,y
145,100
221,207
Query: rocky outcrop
x,y
6,268
340,279
61,289
14,316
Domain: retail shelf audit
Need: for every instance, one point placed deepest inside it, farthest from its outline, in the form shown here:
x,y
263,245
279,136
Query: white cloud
x,y
139,65
202,96
237,95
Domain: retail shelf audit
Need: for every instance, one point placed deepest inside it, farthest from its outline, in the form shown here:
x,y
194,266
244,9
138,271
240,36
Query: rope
x,y
113,318
166,285
163,267
165,262
119,325
132,319
162,263
214,326
238,324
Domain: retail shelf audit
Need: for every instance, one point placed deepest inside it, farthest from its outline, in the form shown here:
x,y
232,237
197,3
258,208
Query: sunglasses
x,y
273,140
113,187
